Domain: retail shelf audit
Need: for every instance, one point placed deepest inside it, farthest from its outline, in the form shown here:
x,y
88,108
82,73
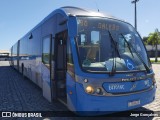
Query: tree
x,y
145,40
154,40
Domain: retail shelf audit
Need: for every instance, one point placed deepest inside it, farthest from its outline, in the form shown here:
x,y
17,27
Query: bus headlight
x,y
89,89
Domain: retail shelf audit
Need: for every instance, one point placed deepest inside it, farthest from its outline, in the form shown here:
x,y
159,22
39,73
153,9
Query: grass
x,y
153,62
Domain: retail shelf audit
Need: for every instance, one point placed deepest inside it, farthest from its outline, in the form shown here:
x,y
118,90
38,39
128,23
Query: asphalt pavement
x,y
21,94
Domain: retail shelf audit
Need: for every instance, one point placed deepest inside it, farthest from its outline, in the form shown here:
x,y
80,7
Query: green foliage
x,y
145,40
153,62
153,39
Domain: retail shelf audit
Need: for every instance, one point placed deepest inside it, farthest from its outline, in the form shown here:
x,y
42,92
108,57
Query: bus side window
x,y
46,51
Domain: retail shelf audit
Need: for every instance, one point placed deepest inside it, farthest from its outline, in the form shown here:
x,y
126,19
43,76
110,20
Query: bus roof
x,y
75,11
67,11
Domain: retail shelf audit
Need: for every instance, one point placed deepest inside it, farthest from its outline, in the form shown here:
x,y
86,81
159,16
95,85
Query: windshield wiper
x,y
114,59
130,45
115,43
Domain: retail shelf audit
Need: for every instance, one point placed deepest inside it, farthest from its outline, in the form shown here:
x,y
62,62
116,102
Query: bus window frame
x,y
50,44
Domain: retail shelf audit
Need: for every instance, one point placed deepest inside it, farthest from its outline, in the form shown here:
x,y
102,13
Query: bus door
x,y
60,65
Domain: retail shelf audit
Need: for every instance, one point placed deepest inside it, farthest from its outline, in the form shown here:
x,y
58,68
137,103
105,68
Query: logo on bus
x,y
133,87
129,65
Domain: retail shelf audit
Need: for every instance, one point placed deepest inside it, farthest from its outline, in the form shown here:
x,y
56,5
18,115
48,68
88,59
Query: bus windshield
x,y
108,45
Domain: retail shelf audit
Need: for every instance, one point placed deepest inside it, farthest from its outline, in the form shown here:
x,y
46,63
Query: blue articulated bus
x,y
87,60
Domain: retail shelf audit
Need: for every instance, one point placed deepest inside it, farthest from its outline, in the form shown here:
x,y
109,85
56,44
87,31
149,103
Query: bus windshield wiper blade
x,y
114,59
146,67
127,45
115,43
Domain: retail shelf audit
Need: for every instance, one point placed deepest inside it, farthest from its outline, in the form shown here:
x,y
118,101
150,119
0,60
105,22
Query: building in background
x,y
4,55
151,50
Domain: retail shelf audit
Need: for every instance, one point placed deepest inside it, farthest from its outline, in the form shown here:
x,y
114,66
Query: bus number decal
x,y
116,87
84,23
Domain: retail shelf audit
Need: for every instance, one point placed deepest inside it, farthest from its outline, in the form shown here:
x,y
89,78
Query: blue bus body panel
x,y
71,93
87,104
124,87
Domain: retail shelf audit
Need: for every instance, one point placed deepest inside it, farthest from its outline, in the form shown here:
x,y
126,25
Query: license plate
x,y
134,103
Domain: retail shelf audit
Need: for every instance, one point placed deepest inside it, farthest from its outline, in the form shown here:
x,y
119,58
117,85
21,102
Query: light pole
x,y
135,2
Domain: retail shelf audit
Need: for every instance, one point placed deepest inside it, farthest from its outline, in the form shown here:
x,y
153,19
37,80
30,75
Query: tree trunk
x,y
156,53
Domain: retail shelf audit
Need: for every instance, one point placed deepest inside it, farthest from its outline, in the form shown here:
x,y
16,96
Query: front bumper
x,y
88,104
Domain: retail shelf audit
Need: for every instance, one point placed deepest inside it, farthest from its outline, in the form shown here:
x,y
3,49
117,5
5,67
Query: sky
x,y
17,17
